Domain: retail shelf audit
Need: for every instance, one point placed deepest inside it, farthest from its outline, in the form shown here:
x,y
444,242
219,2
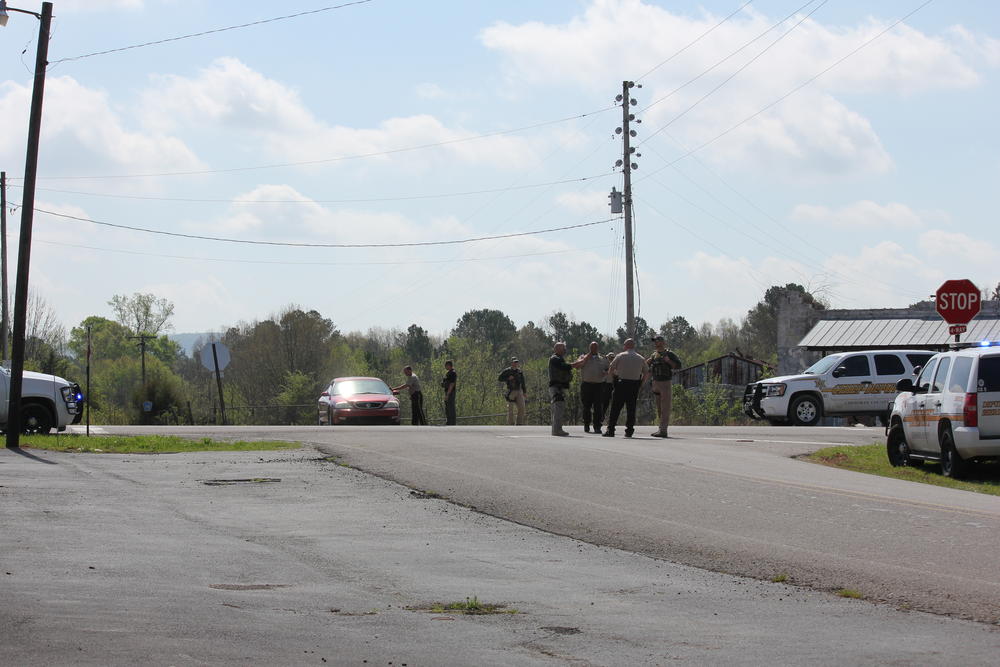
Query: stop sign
x,y
957,301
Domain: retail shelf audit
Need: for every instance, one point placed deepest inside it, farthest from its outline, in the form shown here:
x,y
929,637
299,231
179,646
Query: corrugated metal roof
x,y
893,333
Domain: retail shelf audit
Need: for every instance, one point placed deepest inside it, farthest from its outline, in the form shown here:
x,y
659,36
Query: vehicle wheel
x,y
805,411
897,449
36,418
952,464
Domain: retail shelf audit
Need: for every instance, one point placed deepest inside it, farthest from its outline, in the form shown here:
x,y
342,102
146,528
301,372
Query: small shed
x,y
730,369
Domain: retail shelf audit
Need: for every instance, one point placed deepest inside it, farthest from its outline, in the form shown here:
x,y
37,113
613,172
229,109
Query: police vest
x,y
659,366
560,373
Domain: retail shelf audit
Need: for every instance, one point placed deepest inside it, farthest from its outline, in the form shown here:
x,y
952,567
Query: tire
x,y
897,449
952,464
36,419
805,410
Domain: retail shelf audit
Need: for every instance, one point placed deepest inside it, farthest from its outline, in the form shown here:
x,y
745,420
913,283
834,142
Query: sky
x,y
826,143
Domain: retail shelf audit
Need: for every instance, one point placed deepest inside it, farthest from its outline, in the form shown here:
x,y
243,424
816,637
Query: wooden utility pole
x,y
27,218
627,166
4,315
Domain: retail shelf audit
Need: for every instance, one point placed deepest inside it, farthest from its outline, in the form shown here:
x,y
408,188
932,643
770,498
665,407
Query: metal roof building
x,y
885,333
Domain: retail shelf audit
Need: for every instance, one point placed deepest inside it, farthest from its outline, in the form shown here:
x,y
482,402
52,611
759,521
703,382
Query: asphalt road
x,y
286,558
728,500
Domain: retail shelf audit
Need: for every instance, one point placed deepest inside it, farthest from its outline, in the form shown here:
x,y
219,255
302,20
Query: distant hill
x,y
188,340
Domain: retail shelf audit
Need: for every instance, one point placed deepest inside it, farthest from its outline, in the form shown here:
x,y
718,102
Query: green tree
x,y
142,313
759,330
486,326
416,344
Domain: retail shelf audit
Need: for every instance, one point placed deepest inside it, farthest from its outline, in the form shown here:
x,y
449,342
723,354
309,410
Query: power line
x,y
301,263
734,74
324,201
209,32
342,158
786,95
695,40
294,244
719,62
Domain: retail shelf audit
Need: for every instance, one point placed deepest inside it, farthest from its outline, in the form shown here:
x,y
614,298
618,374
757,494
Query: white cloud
x,y
231,96
960,250
811,132
867,215
83,132
882,276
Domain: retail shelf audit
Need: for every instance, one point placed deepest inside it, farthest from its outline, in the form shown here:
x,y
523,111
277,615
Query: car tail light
x,y
970,410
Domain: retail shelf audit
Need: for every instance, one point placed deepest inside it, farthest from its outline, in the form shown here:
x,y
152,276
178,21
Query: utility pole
x,y
627,166
4,315
27,217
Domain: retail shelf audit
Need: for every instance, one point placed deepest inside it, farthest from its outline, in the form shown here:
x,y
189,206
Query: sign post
x,y
215,356
957,302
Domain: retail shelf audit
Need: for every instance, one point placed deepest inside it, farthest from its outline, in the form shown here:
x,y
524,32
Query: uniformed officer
x,y
662,364
517,391
448,384
632,371
412,385
560,375
592,383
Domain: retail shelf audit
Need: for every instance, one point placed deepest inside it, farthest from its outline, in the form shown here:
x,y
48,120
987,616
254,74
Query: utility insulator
x,y
616,201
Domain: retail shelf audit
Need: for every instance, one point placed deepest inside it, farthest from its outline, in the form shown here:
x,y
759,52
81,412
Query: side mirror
x,y
840,370
906,384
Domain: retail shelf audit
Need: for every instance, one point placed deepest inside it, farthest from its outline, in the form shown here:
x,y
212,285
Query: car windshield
x,y
355,387
823,365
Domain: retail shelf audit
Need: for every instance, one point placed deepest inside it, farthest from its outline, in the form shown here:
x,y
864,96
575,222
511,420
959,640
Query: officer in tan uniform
x,y
632,371
662,364
592,382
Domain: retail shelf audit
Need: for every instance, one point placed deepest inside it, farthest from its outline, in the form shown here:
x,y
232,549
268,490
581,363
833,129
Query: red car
x,y
358,400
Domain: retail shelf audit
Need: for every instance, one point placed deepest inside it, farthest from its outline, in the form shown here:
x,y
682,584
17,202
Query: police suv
x,y
845,384
950,413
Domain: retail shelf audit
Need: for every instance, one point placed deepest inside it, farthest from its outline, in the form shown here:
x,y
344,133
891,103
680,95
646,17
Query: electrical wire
x,y
342,158
293,244
718,63
696,40
209,32
301,263
322,201
734,74
790,92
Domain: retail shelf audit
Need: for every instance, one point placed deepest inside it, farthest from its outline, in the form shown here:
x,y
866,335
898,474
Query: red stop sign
x,y
957,301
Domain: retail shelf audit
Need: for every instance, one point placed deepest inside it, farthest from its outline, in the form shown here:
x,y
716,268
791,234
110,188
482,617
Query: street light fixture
x,y
27,217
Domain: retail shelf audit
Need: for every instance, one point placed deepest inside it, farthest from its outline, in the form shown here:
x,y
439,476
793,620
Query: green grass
x,y
146,444
872,459
849,593
471,606
779,578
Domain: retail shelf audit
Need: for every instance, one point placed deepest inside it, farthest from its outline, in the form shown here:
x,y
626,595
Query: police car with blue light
x,y
847,384
951,413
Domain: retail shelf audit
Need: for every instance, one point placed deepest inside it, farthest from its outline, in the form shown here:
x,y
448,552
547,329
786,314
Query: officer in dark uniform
x,y
448,384
560,375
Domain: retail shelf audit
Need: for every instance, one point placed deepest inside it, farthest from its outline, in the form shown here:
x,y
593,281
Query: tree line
x,y
279,365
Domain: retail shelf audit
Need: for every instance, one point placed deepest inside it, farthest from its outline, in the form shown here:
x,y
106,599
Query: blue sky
x,y
871,185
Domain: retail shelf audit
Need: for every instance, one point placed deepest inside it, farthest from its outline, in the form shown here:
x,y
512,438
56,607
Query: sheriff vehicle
x,y
845,384
950,413
47,402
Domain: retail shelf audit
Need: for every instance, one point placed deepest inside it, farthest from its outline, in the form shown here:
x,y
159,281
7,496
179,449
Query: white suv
x,y
951,413
845,384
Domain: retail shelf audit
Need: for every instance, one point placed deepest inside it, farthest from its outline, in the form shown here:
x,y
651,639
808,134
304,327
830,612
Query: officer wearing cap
x,y
517,390
632,371
662,364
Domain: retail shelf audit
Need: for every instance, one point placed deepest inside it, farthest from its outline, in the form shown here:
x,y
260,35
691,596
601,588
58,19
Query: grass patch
x,y
146,444
779,578
872,459
471,606
849,593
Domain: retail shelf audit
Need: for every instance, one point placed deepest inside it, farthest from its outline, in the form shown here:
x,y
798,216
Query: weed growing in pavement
x,y
779,578
146,444
471,607
849,593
